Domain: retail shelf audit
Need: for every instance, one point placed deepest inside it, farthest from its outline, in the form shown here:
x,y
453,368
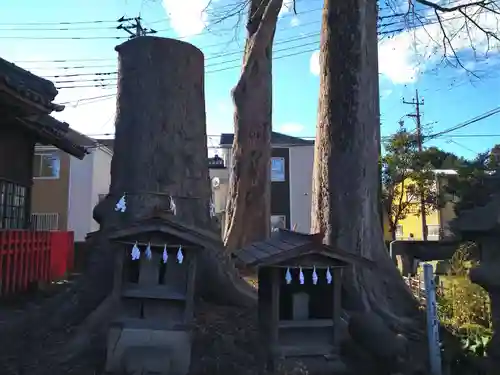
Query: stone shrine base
x,y
143,351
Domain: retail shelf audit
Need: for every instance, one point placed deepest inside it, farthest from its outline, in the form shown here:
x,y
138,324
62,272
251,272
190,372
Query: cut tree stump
x,y
160,153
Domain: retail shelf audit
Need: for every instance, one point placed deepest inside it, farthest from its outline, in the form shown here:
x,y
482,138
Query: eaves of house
x,y
277,140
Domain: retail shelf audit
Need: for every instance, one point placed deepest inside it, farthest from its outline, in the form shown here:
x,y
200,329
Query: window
x,y
277,169
433,232
46,165
278,222
13,203
399,231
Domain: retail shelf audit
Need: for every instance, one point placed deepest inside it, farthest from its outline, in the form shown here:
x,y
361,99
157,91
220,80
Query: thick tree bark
x,y
160,151
248,211
345,203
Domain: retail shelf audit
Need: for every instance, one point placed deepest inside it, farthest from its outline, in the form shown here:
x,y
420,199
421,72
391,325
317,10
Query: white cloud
x,y
403,57
291,127
314,63
406,55
287,7
294,21
188,17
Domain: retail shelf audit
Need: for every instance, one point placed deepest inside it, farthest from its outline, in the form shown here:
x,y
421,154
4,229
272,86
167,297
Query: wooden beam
x,y
337,305
275,313
191,282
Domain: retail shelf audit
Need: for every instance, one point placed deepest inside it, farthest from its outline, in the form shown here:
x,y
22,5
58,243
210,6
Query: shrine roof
x,y
33,96
34,89
277,139
54,132
285,245
171,226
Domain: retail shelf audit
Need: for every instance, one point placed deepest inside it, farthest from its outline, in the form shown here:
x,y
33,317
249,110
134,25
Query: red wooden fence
x,y
32,256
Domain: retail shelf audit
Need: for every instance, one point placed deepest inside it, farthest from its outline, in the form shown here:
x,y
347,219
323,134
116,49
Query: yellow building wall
x,y
387,230
412,223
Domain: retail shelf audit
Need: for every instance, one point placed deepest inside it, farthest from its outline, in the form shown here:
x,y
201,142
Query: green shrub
x,y
464,307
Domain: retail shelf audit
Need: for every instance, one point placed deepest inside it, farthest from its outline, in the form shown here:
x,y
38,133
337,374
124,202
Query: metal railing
x,y
44,221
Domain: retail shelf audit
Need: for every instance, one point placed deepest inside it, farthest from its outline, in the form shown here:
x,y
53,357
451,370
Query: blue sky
x,y
33,36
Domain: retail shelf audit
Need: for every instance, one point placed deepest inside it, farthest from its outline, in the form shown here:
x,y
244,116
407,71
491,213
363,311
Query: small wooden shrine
x,y
155,268
300,282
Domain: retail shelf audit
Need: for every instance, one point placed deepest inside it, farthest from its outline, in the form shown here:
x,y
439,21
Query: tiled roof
x,y
286,244
55,132
40,93
31,87
226,139
108,142
80,139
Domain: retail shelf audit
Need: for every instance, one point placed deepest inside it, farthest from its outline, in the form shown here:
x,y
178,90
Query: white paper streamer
x,y
301,276
148,252
122,204
212,209
180,256
136,252
288,276
173,207
328,276
165,254
315,276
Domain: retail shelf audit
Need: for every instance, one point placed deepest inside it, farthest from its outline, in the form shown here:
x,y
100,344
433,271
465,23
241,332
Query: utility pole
x,y
417,103
134,27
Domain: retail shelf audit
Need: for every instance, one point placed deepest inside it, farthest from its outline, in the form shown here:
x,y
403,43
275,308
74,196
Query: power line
x,y
215,56
310,137
473,120
104,81
97,98
135,28
213,45
402,25
58,23
205,31
464,147
111,73
208,72
76,75
60,28
166,18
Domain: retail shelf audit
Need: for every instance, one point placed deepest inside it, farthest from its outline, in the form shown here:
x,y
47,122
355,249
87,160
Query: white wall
x,y
80,190
301,168
101,179
87,179
220,194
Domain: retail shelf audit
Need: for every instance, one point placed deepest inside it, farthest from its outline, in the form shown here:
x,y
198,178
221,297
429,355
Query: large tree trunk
x,y
160,151
345,203
248,211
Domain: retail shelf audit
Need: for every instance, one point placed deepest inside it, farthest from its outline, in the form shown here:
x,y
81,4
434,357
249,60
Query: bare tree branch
x,y
450,28
444,9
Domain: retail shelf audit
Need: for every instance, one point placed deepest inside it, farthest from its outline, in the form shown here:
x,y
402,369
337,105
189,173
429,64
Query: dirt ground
x,y
225,340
